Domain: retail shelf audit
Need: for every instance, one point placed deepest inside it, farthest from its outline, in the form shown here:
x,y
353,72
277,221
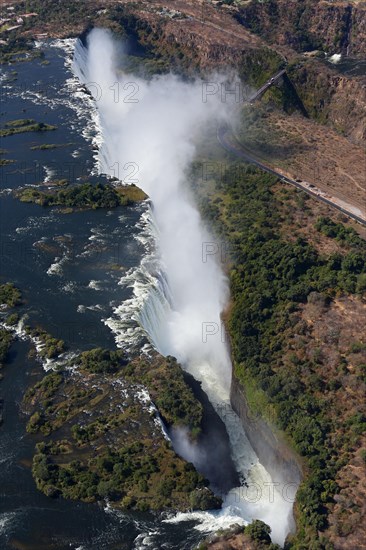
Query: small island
x,y
10,297
24,125
47,146
100,436
5,343
5,162
85,196
48,347
255,536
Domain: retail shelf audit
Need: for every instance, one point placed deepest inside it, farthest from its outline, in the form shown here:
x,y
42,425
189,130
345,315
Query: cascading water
x,y
179,290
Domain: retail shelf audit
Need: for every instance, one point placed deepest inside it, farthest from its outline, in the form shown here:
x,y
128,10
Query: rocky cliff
x,y
256,39
336,27
332,98
273,452
200,41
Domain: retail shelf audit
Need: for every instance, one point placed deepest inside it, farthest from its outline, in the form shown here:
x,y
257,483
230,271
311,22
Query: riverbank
x,y
10,297
292,297
84,413
85,416
279,352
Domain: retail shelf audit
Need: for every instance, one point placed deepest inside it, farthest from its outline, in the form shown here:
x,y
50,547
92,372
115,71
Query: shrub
x,y
258,531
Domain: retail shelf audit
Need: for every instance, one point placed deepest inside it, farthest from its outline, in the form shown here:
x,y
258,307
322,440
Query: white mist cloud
x,y
156,134
154,130
186,448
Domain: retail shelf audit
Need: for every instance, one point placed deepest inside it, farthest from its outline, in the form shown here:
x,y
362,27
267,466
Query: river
x,y
100,278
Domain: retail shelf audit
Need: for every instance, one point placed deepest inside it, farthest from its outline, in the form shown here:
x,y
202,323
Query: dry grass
x,y
311,152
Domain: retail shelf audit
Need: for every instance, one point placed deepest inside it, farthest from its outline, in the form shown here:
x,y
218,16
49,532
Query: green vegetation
x,y
313,86
50,347
84,196
344,235
258,531
257,66
57,14
272,277
12,319
102,437
16,49
9,295
170,393
6,339
101,361
24,125
19,122
5,342
255,536
46,146
137,475
162,377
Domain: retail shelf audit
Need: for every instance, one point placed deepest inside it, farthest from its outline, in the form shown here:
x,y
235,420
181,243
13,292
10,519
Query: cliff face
x,y
202,42
193,39
199,37
305,25
274,454
332,98
103,436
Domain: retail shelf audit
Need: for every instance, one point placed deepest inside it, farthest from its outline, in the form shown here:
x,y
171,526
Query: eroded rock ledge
x,y
99,425
273,452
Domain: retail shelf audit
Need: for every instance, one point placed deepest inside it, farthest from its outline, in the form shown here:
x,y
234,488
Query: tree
x,y
258,531
361,283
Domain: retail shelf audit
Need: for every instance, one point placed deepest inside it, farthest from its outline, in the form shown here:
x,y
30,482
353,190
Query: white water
x,y
335,58
177,294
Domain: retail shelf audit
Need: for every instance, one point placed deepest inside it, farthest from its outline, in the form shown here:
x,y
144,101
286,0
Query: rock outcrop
x,y
273,452
336,27
332,98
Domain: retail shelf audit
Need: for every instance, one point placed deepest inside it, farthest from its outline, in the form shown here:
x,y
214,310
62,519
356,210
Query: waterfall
x,y
179,290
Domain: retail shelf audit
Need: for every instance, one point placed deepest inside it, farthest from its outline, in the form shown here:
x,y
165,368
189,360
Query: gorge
x,y
186,287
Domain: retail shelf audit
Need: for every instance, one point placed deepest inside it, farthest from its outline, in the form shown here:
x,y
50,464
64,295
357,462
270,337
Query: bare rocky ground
x,y
338,330
306,150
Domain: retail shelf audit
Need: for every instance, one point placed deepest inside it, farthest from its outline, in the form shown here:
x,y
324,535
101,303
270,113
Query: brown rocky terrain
x,y
201,36
336,27
338,330
306,150
325,351
300,215
332,98
206,36
239,541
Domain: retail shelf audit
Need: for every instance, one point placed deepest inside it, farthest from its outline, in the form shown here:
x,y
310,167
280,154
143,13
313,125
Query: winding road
x,y
228,141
